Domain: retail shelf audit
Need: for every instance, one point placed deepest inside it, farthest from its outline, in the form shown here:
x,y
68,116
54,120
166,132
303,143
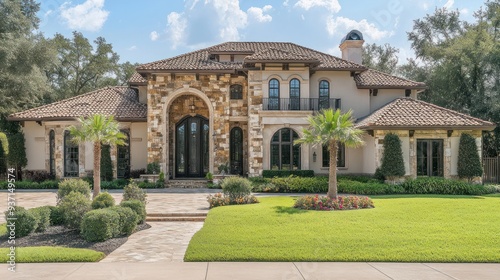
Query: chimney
x,y
351,46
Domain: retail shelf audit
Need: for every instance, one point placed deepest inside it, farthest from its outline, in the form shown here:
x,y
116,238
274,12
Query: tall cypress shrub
x,y
469,163
393,165
17,153
4,148
106,164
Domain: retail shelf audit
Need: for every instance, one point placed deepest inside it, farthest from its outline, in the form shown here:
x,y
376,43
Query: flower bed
x,y
324,203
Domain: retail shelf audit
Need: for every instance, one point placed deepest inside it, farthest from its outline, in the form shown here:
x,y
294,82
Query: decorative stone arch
x,y
295,76
185,91
304,148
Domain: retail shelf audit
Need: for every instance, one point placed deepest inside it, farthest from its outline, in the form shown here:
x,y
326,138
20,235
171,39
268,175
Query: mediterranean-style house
x,y
244,104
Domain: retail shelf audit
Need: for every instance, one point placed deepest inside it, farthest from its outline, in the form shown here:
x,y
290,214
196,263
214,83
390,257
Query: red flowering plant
x,y
316,202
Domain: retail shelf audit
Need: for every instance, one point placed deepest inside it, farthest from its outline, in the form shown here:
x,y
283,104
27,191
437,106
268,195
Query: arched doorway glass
x,y
191,147
236,151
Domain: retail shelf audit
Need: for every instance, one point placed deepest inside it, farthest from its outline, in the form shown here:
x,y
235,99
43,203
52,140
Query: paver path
x,y
164,241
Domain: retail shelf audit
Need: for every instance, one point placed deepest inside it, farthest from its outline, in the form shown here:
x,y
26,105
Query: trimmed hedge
x,y
56,216
128,219
103,200
26,222
42,217
286,173
434,185
117,184
236,187
52,184
73,207
138,207
132,191
100,225
369,188
73,185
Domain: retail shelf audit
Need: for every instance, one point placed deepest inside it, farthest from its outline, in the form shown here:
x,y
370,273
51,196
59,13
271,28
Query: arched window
x,y
284,154
70,156
274,94
324,94
236,91
340,156
52,150
294,94
123,152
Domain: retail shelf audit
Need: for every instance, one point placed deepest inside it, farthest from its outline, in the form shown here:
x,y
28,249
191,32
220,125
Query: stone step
x,y
176,219
179,214
188,184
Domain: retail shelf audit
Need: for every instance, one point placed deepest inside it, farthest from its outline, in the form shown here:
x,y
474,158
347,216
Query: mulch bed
x,y
61,236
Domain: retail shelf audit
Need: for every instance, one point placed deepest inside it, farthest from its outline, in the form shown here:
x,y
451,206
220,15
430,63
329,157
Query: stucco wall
x,y
35,145
138,145
369,161
385,96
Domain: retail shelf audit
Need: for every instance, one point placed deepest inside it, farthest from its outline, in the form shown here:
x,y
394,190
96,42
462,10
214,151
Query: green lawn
x,y
423,228
51,254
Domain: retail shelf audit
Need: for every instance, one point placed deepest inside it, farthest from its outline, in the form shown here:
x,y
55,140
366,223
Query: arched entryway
x,y
192,147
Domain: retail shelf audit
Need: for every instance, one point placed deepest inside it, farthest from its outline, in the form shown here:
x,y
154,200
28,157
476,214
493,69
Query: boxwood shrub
x,y
103,200
42,217
236,187
286,173
56,216
73,207
128,219
73,185
435,185
25,223
138,207
100,225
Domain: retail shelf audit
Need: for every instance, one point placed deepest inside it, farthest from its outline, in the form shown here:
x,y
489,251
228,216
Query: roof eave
x,y
44,119
311,61
409,127
423,87
221,71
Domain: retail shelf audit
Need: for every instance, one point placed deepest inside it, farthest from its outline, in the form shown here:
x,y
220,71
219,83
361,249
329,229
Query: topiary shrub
x,y
100,225
56,216
469,163
103,200
138,207
25,221
106,163
153,168
42,217
17,153
73,185
393,165
236,187
132,191
128,219
4,150
73,206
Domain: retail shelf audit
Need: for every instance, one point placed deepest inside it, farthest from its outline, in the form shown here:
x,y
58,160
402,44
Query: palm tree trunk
x,y
97,168
332,178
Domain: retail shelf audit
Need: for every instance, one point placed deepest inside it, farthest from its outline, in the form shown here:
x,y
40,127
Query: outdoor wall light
x,y
314,157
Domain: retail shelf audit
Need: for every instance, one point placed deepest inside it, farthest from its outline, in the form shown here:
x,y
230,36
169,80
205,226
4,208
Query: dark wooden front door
x,y
191,147
430,157
236,151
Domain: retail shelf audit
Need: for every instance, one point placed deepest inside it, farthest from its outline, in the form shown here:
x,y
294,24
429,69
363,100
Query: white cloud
x,y
258,13
154,36
464,11
302,17
132,48
448,4
331,5
342,25
89,15
176,24
231,18
286,3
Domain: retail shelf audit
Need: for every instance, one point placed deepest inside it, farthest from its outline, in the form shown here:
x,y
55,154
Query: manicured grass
x,y
424,228
51,254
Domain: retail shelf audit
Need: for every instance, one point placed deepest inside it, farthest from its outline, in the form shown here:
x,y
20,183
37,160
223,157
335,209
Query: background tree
x,y
382,58
98,129
393,165
329,128
469,163
106,163
17,153
4,149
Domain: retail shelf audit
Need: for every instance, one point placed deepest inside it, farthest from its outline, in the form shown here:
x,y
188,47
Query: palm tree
x,y
331,128
98,129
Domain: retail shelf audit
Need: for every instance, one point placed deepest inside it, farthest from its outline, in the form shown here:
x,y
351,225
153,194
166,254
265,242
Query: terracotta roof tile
x,y
409,112
120,102
376,79
279,55
137,78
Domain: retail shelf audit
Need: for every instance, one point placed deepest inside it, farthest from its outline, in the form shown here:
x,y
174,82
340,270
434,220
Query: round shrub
x,y
128,219
25,223
56,216
42,217
236,187
73,206
100,225
103,200
132,191
138,207
73,185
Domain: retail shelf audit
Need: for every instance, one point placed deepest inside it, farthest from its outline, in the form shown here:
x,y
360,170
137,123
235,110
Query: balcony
x,y
300,104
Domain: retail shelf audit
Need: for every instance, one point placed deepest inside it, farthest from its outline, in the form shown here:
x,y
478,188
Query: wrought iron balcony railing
x,y
300,104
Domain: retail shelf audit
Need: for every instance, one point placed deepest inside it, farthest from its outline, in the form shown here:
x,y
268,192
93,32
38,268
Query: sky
x,y
150,30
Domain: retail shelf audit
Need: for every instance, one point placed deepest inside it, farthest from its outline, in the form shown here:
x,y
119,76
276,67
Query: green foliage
x,y
220,199
4,149
127,221
103,200
25,221
435,185
223,168
31,185
324,203
73,207
42,217
17,151
4,143
106,164
209,176
73,185
300,184
378,175
51,254
138,207
56,216
373,187
382,58
286,173
100,225
236,187
153,168
469,163
38,176
132,191
392,160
